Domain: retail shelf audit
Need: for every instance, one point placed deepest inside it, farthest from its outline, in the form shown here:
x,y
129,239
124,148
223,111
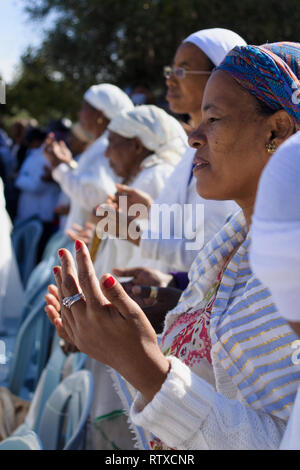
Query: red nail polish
x,y
60,253
55,270
78,245
109,282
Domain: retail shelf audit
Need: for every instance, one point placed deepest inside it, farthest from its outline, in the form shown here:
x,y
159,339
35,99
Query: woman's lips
x,y
171,94
199,164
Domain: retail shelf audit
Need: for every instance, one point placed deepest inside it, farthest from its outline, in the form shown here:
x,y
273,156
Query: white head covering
x,y
275,248
108,98
156,129
215,42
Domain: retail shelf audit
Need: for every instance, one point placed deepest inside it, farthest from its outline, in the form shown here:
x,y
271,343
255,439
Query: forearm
x,y
187,413
85,192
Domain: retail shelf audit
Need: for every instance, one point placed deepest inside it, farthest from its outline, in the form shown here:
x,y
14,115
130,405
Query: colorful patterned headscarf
x,y
270,72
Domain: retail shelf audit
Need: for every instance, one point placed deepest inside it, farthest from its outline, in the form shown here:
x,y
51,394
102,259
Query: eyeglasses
x,y
180,73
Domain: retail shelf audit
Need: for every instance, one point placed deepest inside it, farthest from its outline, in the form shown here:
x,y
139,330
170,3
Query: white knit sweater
x,y
188,413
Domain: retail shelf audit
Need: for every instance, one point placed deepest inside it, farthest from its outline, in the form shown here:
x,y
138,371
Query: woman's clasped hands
x,y
106,323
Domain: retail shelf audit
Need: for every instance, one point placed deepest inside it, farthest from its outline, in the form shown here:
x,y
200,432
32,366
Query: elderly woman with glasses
x,y
223,376
193,62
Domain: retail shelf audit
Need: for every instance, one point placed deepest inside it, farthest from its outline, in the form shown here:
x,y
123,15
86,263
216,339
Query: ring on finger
x,y
69,301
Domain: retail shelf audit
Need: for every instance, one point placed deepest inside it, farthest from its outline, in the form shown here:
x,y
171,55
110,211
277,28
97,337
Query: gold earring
x,y
99,120
271,147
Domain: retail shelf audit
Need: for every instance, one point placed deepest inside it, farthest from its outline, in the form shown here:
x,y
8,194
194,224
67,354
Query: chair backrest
x,y
63,421
58,240
25,239
52,377
31,350
27,441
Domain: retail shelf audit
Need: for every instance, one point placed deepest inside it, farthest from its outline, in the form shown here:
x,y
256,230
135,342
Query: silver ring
x,y
153,292
69,301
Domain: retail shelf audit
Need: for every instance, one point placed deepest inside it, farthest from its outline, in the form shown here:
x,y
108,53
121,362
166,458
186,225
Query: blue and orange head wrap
x,y
270,72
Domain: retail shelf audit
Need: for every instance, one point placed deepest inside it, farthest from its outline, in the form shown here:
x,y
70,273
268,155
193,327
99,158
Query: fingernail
x,y
109,282
55,270
60,253
78,245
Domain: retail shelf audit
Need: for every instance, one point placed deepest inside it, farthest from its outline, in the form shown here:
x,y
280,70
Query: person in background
x,y
78,141
194,60
275,249
38,193
91,180
140,94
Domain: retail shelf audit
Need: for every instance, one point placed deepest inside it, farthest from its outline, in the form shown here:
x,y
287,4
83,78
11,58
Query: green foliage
x,y
128,42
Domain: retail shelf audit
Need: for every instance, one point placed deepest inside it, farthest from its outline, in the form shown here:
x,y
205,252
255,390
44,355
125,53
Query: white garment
x,y
188,414
275,248
178,190
89,184
11,289
37,198
215,42
156,129
108,98
291,438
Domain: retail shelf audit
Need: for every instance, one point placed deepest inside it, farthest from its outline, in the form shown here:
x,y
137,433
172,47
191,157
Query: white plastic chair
x,y
25,239
63,421
27,440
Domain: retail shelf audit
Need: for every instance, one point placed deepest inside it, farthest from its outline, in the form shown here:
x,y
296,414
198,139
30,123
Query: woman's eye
x,y
212,119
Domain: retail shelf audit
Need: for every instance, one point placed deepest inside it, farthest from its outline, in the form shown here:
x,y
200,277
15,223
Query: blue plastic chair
x,y
53,375
63,421
58,240
25,239
31,352
27,440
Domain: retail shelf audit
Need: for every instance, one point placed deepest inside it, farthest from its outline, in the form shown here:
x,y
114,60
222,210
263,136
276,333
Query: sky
x,y
17,32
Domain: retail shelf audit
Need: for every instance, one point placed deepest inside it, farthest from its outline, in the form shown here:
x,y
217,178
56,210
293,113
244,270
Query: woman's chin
x,y
207,191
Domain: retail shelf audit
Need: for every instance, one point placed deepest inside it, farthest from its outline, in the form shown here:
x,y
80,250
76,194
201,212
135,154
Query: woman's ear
x,y
281,127
138,146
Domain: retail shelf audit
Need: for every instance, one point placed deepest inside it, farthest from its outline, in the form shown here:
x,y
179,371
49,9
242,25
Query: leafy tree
x,y
128,42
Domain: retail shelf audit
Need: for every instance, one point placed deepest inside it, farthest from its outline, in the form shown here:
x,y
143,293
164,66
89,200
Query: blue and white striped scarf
x,y
251,340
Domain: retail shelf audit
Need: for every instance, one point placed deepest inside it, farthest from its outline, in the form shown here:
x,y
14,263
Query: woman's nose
x,y
197,138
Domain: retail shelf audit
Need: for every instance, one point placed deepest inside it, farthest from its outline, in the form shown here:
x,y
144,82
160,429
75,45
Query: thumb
x,y
125,272
114,292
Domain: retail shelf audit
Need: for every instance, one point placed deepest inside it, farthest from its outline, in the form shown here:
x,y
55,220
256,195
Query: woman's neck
x,y
136,168
247,208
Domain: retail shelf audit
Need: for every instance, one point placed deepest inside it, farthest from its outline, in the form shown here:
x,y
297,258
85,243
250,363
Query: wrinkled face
x,y
121,153
230,141
185,94
88,117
